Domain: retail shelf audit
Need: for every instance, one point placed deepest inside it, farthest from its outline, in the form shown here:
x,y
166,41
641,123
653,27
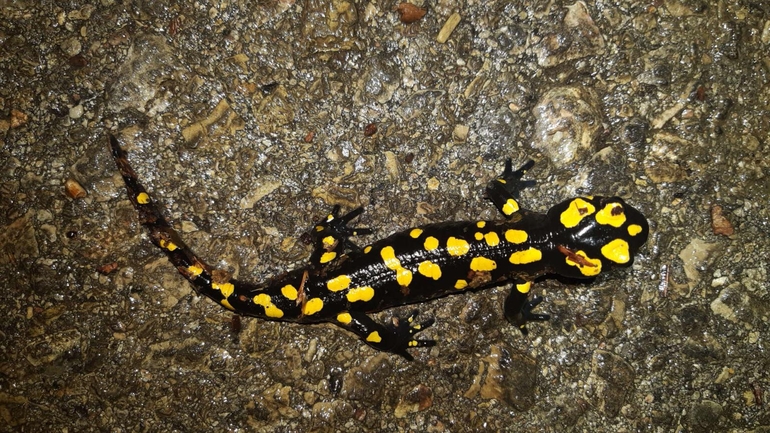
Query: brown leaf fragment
x,y
78,61
409,13
370,129
720,225
74,189
108,268
18,118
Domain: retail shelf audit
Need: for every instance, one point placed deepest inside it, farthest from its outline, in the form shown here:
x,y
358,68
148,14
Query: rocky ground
x,y
249,120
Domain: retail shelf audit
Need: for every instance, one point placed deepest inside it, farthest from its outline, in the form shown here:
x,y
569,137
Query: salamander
x,y
343,284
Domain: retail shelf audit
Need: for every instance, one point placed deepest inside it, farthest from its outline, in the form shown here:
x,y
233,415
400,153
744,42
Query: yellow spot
x,y
457,247
364,294
481,224
524,287
338,283
412,343
142,198
586,270
194,270
168,245
478,235
389,256
492,239
319,228
403,276
374,337
429,269
415,233
312,306
502,181
634,229
516,236
577,210
617,251
611,214
329,241
461,284
530,255
227,289
344,318
510,207
226,304
273,311
289,292
479,264
270,309
431,243
367,249
327,257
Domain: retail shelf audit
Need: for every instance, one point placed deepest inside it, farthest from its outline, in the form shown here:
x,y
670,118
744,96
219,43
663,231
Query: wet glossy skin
x,y
578,238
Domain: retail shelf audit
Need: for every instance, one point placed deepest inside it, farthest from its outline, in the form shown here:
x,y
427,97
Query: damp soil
x,y
249,120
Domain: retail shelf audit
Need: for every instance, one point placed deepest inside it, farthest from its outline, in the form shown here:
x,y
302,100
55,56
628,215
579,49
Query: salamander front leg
x,y
331,236
518,306
394,337
504,191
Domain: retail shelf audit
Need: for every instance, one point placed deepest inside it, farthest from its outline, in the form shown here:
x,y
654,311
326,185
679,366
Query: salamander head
x,y
597,234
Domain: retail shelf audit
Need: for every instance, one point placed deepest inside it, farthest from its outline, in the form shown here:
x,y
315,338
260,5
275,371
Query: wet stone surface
x,y
248,120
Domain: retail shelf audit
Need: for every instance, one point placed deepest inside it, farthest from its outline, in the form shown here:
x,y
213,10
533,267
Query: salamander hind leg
x,y
504,191
518,306
394,337
331,236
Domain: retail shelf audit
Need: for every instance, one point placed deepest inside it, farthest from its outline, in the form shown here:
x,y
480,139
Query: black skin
x,y
406,268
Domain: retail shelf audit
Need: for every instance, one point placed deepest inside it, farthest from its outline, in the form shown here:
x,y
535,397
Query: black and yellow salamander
x,y
578,238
